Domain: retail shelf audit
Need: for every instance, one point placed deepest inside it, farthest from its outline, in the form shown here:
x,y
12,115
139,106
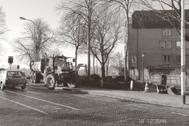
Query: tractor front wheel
x,y
2,86
50,81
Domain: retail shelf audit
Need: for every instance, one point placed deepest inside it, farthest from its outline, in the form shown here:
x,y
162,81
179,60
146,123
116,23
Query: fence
x,y
172,80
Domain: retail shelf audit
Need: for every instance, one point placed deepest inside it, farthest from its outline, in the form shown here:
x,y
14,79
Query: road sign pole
x,y
10,66
183,66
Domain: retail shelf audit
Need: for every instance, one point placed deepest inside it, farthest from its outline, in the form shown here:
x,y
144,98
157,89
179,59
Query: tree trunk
x,y
126,72
37,55
76,54
89,16
107,67
89,47
94,65
31,66
103,74
31,63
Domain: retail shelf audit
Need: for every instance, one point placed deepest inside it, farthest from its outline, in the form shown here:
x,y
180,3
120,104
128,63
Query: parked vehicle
x,y
12,79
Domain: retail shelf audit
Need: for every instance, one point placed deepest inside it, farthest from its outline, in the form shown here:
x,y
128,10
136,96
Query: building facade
x,y
154,43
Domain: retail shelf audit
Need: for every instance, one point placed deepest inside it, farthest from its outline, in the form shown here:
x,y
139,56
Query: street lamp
x,y
23,18
143,67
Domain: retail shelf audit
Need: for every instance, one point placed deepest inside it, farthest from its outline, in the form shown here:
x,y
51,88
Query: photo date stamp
x,y
152,121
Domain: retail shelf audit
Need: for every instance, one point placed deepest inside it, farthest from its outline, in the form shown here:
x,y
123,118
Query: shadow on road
x,y
74,91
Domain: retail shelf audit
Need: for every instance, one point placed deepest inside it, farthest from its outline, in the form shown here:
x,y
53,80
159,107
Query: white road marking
x,y
26,106
48,107
180,114
57,104
33,92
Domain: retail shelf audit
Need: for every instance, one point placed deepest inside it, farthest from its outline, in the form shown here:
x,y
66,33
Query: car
x,y
12,79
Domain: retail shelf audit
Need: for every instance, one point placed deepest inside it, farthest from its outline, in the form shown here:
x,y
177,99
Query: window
x,y
14,74
187,44
168,44
165,44
162,44
166,32
178,44
166,58
178,58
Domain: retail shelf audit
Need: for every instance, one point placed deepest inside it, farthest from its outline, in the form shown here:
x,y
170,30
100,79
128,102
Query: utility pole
x,y
126,47
142,67
183,62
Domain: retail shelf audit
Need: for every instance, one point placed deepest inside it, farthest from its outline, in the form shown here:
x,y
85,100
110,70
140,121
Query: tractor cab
x,y
61,63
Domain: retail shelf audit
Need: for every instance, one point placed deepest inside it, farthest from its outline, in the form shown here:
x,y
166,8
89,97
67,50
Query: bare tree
x,y
125,6
73,32
35,40
86,9
3,27
117,62
25,52
107,35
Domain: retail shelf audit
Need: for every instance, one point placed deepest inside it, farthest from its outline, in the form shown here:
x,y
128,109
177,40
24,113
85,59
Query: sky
x,y
31,9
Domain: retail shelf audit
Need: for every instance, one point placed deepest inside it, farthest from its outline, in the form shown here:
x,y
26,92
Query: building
x,y
154,43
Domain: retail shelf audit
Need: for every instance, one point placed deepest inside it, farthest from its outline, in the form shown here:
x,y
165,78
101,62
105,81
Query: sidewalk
x,y
137,96
140,96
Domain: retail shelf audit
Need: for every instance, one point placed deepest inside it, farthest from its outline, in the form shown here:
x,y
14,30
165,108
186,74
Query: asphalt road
x,y
38,106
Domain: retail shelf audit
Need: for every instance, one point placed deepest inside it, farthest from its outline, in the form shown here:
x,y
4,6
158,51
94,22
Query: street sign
x,y
73,60
18,67
10,59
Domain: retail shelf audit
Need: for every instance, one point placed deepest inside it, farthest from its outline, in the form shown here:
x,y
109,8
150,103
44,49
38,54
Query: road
x,y
38,106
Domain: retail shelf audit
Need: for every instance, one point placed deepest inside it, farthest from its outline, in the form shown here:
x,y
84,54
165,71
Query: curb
x,y
38,84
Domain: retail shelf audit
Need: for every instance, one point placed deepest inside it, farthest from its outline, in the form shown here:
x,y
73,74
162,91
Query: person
x,y
48,69
59,70
163,80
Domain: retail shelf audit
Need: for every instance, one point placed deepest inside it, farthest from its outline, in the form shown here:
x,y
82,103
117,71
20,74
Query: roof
x,y
156,19
2,69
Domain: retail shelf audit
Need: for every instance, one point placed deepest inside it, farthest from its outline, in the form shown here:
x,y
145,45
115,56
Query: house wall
x,y
147,42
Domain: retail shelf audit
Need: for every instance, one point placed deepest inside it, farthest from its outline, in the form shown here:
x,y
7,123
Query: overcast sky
x,y
31,9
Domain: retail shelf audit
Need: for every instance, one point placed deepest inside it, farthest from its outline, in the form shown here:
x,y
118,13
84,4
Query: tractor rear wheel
x,y
50,81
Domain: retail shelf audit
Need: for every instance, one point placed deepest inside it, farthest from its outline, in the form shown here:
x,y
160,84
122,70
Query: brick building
x,y
154,43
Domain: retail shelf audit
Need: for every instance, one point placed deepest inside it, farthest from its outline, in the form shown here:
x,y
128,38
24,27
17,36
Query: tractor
x,y
56,71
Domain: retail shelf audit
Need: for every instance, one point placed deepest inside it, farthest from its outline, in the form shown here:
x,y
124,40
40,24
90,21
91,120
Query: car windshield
x,y
14,74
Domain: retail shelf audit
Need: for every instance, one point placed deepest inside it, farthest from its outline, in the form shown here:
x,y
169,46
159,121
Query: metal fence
x,y
172,80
